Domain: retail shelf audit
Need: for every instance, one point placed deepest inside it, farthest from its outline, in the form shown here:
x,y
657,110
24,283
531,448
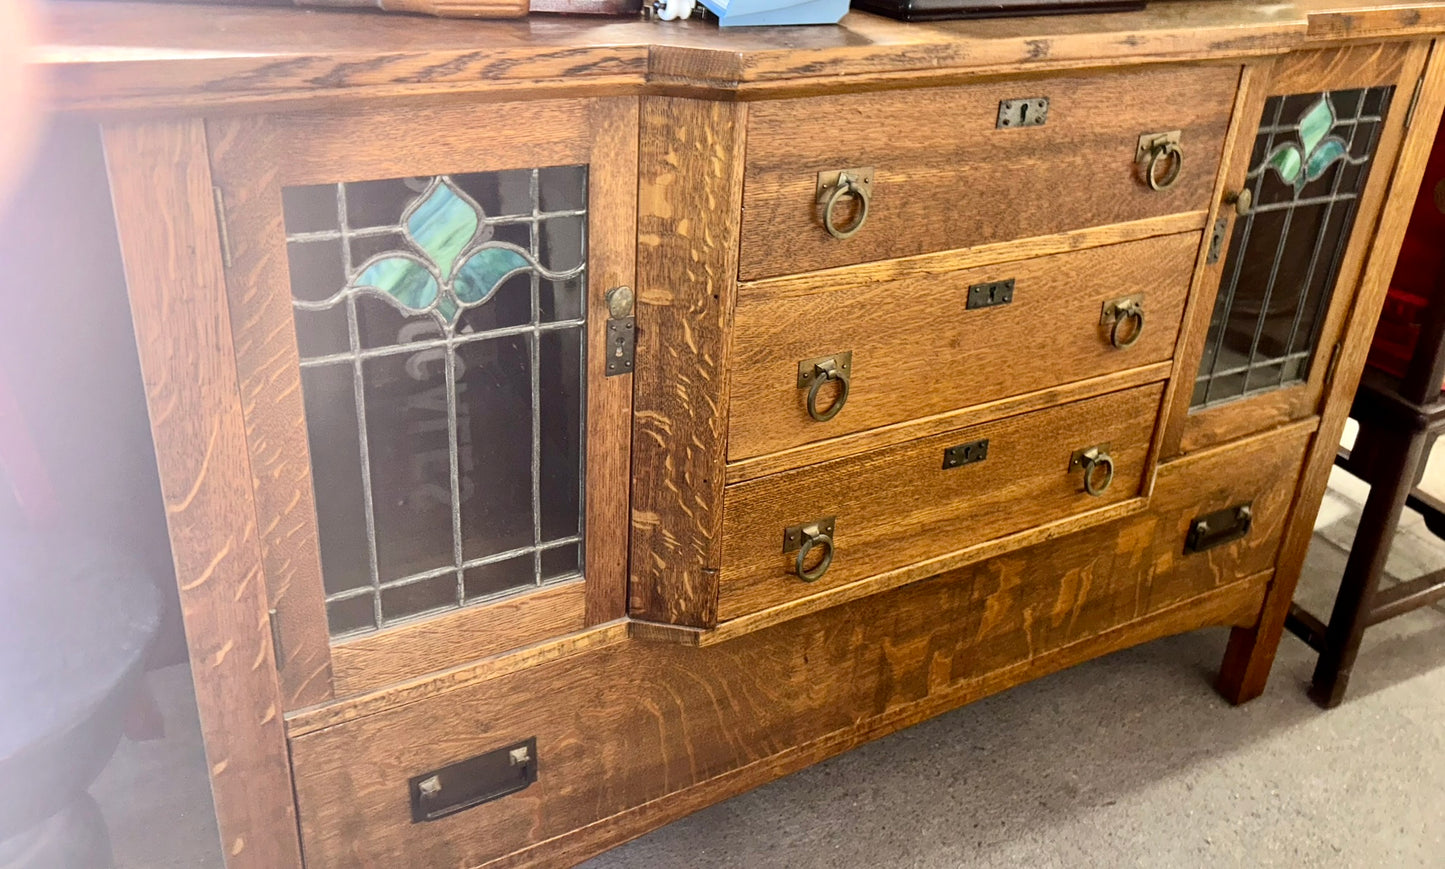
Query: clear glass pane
x,y
455,306
494,428
1310,162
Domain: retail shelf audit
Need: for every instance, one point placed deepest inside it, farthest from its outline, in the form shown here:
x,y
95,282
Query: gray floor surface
x,y
1128,760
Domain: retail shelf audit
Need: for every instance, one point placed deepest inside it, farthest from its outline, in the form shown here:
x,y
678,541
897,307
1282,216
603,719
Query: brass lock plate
x,y
1148,142
965,454
990,294
1216,241
621,345
1076,460
808,368
1114,307
827,181
793,534
1023,112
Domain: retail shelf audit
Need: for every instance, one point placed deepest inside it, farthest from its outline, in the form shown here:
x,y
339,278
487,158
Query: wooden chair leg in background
x,y
1395,459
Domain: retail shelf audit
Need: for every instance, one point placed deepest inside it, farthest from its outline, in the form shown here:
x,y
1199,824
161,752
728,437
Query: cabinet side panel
x,y
689,198
161,188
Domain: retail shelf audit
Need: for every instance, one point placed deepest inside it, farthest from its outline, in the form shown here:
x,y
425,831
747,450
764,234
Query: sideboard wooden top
x,y
102,56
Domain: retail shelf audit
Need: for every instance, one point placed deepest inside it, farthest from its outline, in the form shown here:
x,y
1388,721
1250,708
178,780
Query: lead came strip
x,y
442,272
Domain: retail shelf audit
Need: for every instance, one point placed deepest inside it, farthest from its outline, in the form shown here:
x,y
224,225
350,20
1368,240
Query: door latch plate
x,y
1216,241
621,345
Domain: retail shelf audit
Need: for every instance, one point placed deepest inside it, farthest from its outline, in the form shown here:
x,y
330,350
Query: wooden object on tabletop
x,y
561,397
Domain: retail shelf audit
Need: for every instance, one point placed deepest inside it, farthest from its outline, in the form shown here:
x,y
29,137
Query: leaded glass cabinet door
x,y
418,304
1305,184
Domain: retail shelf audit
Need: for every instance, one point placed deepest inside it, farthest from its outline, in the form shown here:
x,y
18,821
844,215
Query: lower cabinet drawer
x,y
628,726
793,534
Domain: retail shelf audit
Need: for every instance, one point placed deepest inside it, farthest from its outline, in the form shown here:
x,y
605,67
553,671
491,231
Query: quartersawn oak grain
x,y
1251,651
896,506
918,352
160,185
624,730
690,181
947,177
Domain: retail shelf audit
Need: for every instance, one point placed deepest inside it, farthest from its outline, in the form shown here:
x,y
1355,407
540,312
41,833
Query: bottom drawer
x,y
634,724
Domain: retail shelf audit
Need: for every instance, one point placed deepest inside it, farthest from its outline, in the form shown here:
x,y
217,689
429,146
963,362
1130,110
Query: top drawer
x,y
947,175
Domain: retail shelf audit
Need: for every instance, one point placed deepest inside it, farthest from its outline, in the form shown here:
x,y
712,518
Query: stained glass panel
x,y
1310,162
442,334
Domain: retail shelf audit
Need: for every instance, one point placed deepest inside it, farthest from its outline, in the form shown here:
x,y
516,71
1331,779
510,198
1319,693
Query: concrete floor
x,y
1128,760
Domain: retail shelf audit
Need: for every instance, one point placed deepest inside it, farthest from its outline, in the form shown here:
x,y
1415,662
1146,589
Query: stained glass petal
x,y
1317,121
442,225
1323,157
478,277
1286,161
401,277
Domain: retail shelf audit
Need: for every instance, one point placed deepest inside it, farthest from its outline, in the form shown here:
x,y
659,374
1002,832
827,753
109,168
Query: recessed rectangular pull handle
x,y
1220,527
474,781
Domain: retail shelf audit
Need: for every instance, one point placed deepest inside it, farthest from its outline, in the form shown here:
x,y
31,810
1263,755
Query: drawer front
x,y
1258,473
898,506
918,349
946,175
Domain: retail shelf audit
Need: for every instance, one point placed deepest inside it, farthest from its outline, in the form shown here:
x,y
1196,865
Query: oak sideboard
x,y
565,424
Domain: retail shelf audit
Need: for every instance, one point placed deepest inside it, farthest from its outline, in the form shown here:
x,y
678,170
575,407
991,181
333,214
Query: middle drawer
x,y
898,506
931,343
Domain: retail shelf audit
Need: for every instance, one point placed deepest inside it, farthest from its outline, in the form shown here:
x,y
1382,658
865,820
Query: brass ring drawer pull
x,y
1176,165
1117,312
804,539
1093,460
855,184
813,373
1161,150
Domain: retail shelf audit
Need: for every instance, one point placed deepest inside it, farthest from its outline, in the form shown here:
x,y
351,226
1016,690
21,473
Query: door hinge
x,y
1334,364
275,637
1414,102
220,200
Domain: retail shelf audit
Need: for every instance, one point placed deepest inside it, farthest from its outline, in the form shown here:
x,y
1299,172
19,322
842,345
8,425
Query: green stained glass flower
x,y
442,223
1286,160
1321,158
403,278
484,270
1316,123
